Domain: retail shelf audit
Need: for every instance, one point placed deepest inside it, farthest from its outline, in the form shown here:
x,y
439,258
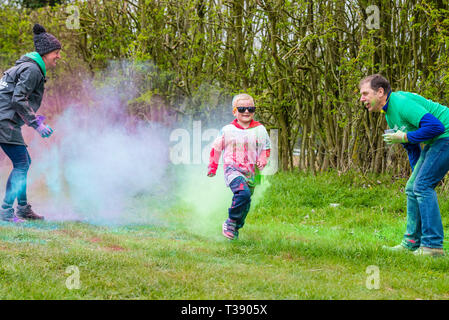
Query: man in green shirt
x,y
415,120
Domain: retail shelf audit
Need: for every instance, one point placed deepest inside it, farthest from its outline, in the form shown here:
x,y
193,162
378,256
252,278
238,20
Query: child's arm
x,y
215,155
263,159
213,162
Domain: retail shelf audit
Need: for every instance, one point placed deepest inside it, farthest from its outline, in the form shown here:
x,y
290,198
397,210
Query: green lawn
x,y
295,245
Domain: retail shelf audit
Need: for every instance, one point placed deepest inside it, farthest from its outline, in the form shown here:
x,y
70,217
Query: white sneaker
x,y
430,252
398,248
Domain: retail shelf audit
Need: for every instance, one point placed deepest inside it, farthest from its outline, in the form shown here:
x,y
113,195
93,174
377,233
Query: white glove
x,y
397,137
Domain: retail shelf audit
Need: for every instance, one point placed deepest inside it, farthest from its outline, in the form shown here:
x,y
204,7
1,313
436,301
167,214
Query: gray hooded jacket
x,y
21,91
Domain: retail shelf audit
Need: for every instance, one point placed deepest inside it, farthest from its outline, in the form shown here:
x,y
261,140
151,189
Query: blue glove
x,y
44,130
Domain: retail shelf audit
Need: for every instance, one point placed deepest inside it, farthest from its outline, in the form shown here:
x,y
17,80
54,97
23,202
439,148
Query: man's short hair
x,y
377,81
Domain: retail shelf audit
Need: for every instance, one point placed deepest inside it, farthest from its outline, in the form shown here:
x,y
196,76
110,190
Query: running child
x,y
245,146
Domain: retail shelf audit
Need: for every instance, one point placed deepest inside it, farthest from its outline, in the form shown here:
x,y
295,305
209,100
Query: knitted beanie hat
x,y
44,42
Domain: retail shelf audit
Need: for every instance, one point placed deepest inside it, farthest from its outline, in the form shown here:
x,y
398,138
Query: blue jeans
x,y
424,226
17,181
241,201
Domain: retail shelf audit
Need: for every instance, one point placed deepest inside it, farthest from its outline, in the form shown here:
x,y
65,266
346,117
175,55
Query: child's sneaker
x,y
9,216
398,248
230,229
25,212
430,252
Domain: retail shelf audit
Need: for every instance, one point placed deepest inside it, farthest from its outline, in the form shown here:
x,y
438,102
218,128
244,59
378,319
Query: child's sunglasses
x,y
250,109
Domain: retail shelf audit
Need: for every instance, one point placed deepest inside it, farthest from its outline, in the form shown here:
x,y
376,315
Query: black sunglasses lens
x,y
250,109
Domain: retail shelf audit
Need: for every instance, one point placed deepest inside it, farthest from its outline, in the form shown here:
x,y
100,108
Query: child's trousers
x,y
241,200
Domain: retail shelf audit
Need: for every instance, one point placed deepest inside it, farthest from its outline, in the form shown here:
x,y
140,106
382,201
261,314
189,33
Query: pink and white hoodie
x,y
241,149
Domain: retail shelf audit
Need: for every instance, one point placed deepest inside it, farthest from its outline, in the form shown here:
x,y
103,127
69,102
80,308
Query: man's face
x,y
51,58
370,98
244,117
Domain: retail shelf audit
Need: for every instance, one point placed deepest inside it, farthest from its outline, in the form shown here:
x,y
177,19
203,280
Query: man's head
x,y
243,108
46,45
374,90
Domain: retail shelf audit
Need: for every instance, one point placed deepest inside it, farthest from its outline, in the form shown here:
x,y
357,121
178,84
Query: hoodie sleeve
x,y
215,153
26,84
429,127
266,145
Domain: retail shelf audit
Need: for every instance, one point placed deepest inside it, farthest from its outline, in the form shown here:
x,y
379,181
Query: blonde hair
x,y
240,96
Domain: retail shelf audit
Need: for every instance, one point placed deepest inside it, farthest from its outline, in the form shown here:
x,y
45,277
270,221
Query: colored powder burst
x,y
101,171
104,167
206,200
96,167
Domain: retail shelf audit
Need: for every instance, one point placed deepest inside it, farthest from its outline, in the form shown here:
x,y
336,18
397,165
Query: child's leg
x,y
241,201
245,212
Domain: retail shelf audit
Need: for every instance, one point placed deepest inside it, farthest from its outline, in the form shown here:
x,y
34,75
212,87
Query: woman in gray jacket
x,y
21,91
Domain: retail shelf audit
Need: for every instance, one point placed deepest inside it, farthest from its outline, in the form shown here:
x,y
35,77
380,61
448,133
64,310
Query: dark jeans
x,y
17,181
241,201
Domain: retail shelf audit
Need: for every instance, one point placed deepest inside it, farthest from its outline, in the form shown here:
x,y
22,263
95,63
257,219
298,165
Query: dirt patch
x,y
115,248
109,247
97,240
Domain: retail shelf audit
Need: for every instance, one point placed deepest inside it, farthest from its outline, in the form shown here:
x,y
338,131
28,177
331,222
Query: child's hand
x,y
212,172
261,163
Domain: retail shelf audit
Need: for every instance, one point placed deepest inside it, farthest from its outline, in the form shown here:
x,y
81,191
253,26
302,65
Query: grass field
x,y
306,237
